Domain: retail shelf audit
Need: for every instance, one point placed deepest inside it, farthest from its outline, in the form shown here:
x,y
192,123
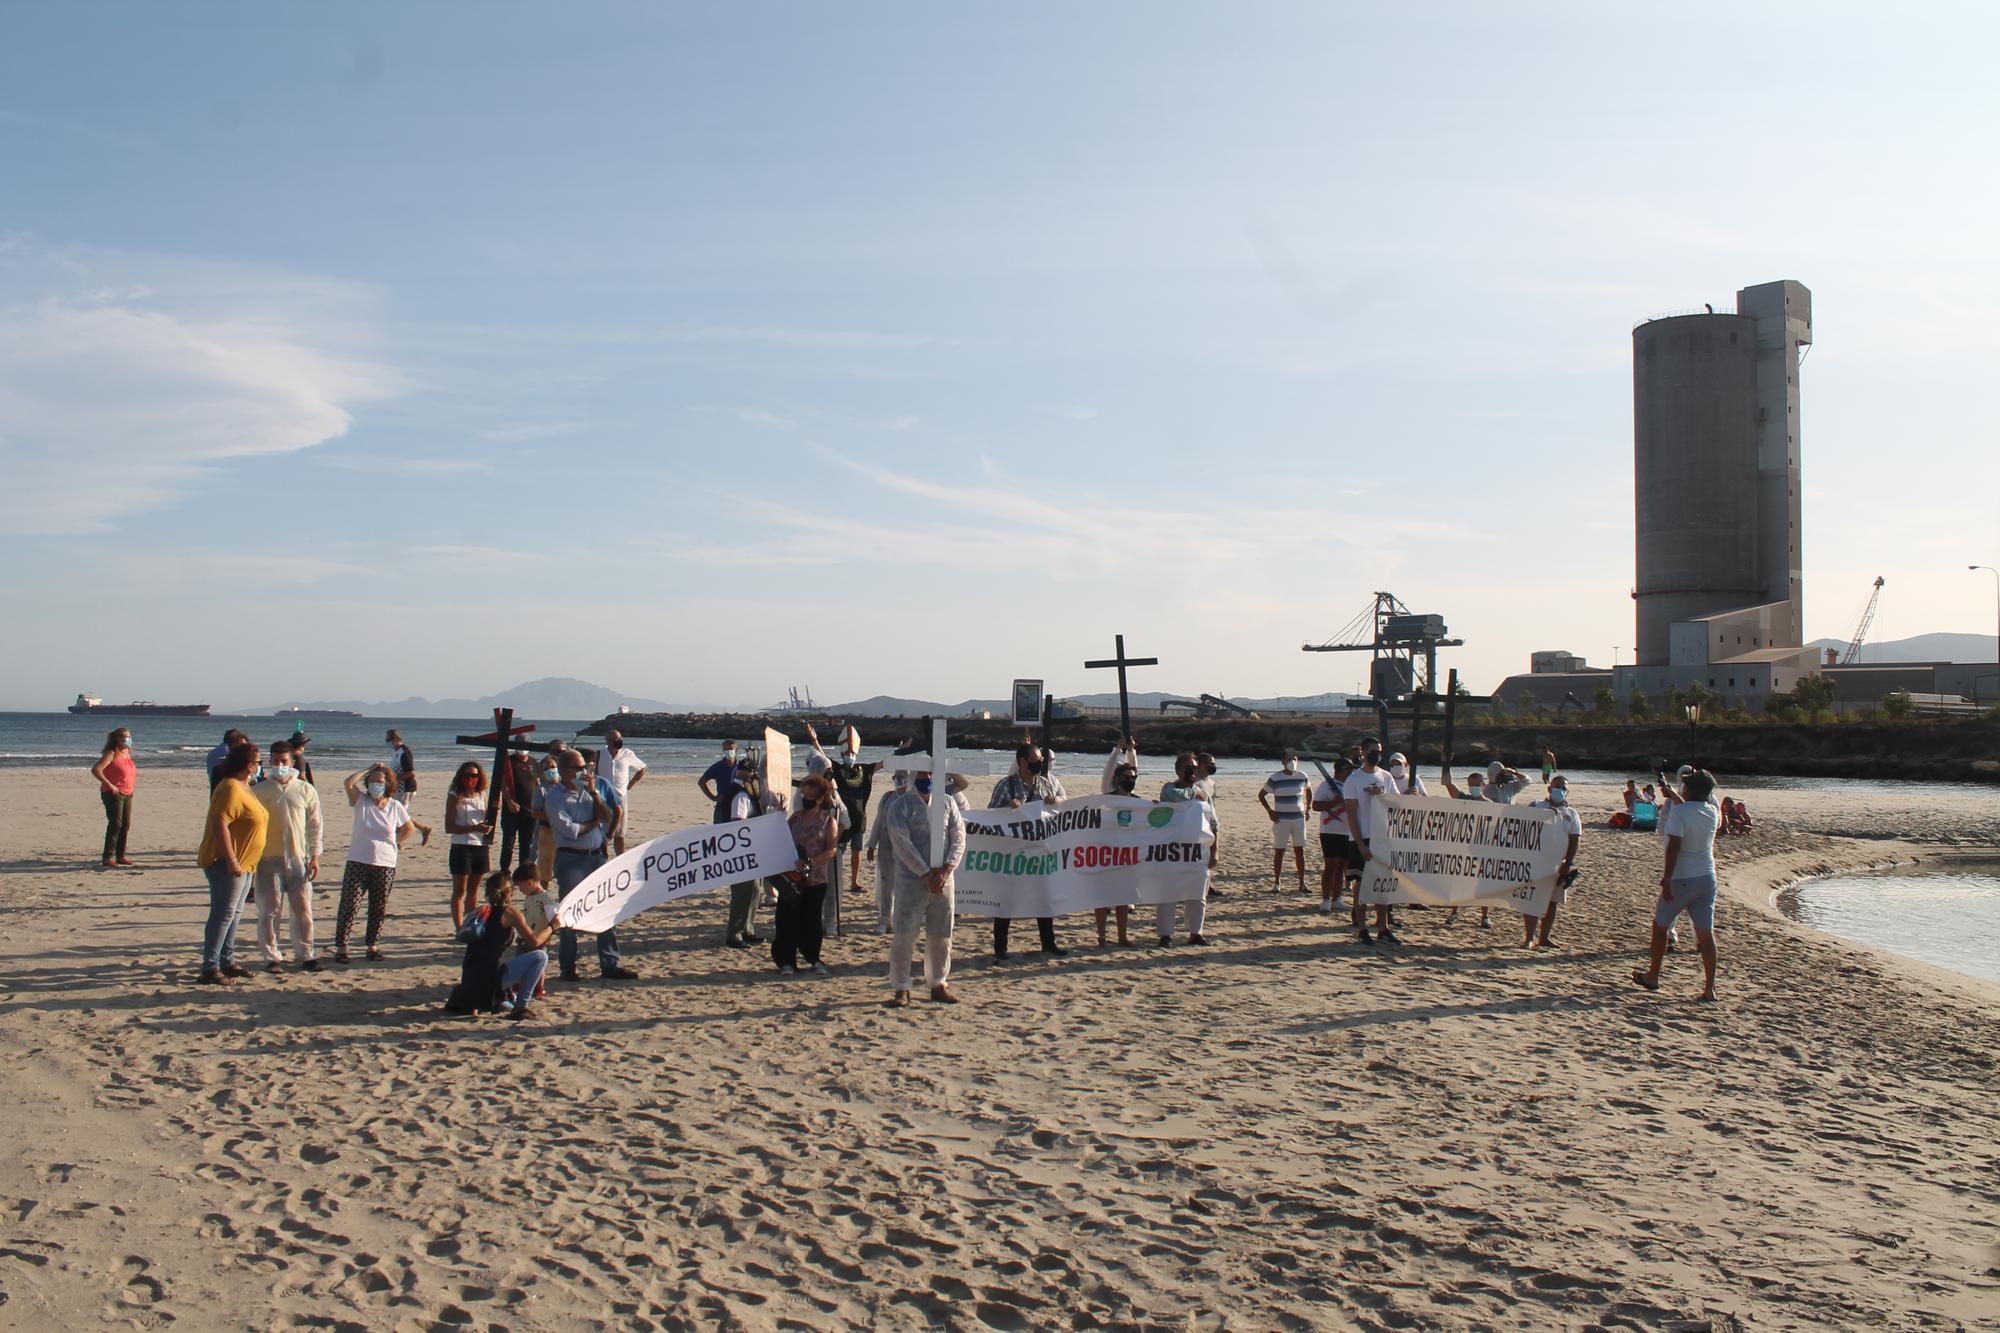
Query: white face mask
x,y
1401,771
1291,765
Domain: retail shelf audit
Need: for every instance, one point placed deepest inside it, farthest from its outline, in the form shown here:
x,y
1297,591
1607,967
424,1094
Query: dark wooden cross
x,y
1124,699
501,738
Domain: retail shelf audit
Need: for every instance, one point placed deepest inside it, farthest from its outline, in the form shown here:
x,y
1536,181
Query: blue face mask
x,y
923,785
1558,796
377,790
282,772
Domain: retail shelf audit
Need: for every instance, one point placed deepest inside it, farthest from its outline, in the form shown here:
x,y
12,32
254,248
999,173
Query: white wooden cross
x,y
941,789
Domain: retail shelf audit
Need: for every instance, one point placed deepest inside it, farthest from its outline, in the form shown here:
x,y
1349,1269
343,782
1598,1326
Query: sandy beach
x,y
1280,1131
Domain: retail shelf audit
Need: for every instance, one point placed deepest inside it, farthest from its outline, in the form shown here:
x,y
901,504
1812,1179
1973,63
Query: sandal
x,y
374,955
342,958
1646,979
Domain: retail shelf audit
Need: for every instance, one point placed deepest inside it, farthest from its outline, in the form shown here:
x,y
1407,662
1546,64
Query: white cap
x,y
1397,758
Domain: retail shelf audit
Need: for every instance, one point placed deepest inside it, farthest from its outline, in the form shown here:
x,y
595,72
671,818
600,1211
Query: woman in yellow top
x,y
232,841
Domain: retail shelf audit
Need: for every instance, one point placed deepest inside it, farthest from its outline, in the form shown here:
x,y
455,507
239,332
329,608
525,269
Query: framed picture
x,y
1027,703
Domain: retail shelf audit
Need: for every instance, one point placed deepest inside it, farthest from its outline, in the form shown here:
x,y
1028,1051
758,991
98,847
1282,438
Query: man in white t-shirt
x,y
1359,793
1571,825
1284,798
1688,879
624,770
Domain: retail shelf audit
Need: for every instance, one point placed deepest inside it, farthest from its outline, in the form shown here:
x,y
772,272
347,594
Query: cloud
x,y
125,379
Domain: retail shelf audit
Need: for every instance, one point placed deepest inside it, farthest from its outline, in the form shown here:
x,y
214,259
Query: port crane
x,y
1861,630
1403,646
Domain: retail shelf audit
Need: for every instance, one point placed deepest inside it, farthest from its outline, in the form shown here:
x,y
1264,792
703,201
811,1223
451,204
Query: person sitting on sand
x,y
1736,817
488,981
1631,795
1687,880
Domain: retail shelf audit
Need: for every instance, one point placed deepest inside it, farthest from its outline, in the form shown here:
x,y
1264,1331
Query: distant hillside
x,y
552,697
1143,701
1922,648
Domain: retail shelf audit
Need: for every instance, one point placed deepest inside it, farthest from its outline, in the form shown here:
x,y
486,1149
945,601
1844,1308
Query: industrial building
x,y
1716,441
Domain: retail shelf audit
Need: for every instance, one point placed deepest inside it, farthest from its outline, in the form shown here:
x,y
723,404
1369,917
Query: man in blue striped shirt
x,y
1284,796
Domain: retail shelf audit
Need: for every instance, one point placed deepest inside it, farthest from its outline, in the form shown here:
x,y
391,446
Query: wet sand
x,y
1280,1131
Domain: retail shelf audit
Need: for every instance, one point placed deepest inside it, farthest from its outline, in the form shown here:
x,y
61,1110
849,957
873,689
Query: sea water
x,y
1948,915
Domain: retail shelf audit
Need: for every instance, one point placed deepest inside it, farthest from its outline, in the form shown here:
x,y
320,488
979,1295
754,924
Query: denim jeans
x,y
573,866
226,893
521,975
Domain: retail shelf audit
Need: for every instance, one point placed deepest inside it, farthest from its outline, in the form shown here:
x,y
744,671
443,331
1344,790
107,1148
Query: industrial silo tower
x,y
1716,464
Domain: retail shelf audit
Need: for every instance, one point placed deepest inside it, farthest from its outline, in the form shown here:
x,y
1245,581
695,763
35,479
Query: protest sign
x,y
1100,851
777,768
1428,849
707,856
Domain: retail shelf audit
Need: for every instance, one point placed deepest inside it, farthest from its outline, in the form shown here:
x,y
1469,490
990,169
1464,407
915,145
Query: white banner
x,y
1430,849
707,856
1099,851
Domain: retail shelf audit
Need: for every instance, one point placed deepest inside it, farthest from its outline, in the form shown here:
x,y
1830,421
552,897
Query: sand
x,y
1277,1132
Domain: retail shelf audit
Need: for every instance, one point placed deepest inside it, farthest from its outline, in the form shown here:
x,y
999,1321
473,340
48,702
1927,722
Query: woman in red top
x,y
116,776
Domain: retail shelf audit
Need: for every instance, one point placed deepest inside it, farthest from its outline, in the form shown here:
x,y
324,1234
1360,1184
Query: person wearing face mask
x,y
232,843
548,775
382,825
798,928
517,815
468,823
1124,755
1030,781
739,799
853,783
1123,782
1186,786
1473,790
1335,851
1408,781
293,842
581,817
117,778
624,770
885,869
1503,784
1571,825
1284,798
403,766
1364,786
720,774
924,894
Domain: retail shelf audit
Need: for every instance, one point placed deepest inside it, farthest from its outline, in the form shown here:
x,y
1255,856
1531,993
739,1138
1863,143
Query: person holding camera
x,y
1030,781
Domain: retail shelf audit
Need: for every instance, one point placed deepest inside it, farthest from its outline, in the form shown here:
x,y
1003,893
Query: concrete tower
x,y
1716,464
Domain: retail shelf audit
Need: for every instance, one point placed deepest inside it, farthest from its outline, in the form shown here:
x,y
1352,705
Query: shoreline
x,y
1115,1139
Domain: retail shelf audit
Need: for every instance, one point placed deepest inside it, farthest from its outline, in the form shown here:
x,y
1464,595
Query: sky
x,y
367,351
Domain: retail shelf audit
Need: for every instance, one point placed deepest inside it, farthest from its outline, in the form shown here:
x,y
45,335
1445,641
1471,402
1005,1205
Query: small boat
x,y
315,712
92,705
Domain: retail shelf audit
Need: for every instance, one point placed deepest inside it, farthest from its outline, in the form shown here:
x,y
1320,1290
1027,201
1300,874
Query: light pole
x,y
1996,625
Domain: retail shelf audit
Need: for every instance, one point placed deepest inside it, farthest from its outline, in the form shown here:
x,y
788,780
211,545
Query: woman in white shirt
x,y
1687,882
381,827
468,821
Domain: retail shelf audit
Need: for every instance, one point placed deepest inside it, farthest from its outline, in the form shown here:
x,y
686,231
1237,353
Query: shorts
x,y
468,860
1694,896
850,837
1288,832
1336,847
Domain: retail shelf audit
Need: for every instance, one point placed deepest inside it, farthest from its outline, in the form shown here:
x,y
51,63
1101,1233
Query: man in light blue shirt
x,y
579,815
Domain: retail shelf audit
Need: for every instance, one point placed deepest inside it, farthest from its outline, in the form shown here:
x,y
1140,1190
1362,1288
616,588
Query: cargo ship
x,y
91,704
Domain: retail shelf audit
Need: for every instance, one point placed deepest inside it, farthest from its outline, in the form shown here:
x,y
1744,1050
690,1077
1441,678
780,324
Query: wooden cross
x,y
503,732
940,790
1124,700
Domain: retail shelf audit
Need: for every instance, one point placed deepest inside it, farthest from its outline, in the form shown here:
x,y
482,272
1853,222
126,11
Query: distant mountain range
x,y
554,697
1922,648
1145,701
